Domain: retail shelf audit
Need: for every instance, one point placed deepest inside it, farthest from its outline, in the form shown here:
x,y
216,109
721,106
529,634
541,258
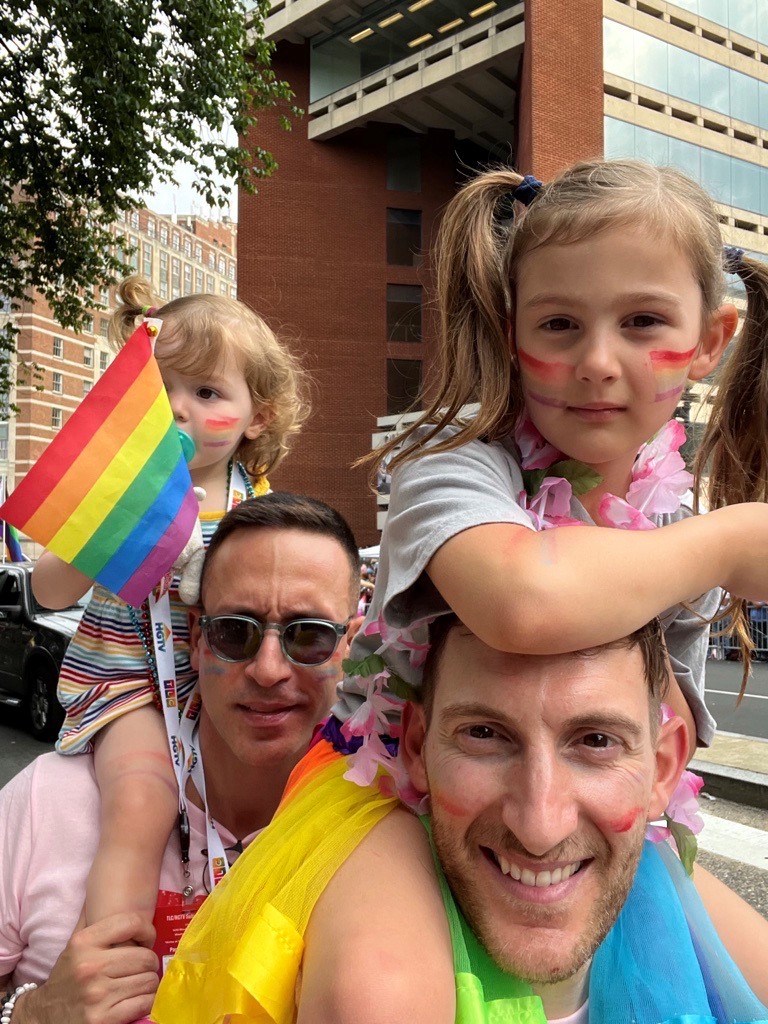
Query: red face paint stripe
x,y
662,359
223,424
541,366
625,822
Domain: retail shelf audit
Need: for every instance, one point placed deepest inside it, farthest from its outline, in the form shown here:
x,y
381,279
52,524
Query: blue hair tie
x,y
733,262
527,190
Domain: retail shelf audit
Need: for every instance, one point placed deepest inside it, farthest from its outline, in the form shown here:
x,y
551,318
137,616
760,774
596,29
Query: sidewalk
x,y
735,768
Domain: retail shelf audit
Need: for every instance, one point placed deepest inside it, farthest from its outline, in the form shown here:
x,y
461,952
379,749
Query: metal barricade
x,y
723,647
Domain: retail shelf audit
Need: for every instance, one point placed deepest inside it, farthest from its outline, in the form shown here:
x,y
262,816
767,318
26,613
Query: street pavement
x,y
723,681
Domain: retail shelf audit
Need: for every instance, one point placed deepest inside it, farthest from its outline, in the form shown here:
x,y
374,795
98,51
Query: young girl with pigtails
x,y
237,399
549,522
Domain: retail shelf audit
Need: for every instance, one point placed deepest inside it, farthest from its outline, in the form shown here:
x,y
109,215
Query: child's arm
x,y
139,805
743,931
576,587
57,584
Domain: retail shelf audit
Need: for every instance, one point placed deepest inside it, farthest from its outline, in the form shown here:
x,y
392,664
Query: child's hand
x,y
189,566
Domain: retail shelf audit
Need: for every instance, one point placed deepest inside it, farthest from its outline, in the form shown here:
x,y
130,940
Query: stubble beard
x,y
456,856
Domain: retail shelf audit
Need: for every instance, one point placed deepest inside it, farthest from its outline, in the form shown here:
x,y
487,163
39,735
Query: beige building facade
x,y
56,367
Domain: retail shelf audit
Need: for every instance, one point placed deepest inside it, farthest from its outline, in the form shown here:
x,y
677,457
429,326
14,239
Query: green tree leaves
x,y
98,101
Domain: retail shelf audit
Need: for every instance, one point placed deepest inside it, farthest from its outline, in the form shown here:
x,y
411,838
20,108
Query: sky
x,y
181,198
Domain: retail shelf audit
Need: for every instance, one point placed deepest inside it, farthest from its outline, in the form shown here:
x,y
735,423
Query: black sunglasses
x,y
303,641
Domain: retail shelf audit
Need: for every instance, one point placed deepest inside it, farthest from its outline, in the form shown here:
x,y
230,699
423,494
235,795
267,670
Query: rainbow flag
x,y
112,494
10,538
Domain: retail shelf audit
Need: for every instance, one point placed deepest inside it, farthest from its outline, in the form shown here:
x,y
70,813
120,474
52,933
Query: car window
x,y
10,589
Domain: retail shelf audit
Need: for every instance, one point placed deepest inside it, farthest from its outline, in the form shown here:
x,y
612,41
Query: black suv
x,y
33,640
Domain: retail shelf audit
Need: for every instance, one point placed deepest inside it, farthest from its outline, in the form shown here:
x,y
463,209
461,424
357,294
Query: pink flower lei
x,y
659,481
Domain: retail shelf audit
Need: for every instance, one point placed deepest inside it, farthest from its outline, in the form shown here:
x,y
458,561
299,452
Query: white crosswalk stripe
x,y
734,840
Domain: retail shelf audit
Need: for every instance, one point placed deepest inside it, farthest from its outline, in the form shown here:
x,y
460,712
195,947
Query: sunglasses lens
x,y
309,643
233,639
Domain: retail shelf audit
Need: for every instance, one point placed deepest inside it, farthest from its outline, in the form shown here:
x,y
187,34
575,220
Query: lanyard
x,y
181,728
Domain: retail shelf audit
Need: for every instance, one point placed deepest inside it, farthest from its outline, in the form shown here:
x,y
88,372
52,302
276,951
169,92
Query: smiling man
x,y
539,900
279,589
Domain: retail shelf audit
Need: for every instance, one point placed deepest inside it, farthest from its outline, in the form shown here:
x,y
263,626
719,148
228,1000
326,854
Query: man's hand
x,y
98,979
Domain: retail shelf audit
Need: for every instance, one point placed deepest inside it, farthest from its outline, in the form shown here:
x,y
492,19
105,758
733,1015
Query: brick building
x,y
178,255
403,98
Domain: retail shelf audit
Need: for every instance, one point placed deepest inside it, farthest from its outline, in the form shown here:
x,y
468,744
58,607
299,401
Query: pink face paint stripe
x,y
662,396
553,403
222,424
663,360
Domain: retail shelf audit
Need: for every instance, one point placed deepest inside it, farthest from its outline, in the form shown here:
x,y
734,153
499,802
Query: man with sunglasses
x,y
278,592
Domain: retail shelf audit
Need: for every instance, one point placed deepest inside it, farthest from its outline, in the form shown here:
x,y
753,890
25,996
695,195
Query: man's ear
x,y
412,740
194,637
671,759
713,341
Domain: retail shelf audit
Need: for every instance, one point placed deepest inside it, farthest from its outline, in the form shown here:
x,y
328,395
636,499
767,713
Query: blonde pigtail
x,y
135,295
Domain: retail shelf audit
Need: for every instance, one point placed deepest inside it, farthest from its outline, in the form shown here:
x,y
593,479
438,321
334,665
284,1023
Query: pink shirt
x,y
49,830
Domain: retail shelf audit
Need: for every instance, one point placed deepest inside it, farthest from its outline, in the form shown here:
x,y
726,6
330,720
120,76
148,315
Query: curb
x,y
736,784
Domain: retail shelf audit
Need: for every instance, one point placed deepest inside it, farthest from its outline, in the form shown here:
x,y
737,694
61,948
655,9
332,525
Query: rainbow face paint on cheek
x,y
667,368
219,426
544,370
448,804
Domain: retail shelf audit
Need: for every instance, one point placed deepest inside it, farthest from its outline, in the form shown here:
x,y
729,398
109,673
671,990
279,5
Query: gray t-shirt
x,y
438,496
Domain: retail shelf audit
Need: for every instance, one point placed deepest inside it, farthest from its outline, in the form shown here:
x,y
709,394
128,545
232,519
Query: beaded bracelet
x,y
10,1002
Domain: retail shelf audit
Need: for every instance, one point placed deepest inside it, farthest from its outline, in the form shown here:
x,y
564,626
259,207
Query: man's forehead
x,y
266,565
470,671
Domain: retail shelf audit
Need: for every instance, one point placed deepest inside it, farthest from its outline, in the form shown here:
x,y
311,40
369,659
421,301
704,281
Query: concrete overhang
x,y
295,21
467,83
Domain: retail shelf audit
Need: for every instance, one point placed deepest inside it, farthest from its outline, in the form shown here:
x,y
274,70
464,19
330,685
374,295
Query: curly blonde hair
x,y
214,327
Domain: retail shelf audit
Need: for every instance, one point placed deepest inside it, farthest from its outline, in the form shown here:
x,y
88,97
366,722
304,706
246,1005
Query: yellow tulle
x,y
239,959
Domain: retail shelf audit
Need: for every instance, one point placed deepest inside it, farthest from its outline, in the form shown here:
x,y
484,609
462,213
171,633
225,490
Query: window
x,y
87,385
188,248
199,280
210,284
146,267
403,312
403,384
222,265
56,418
104,327
232,292
176,243
212,260
135,220
163,234
88,356
223,288
88,325
175,277
198,252
56,386
58,348
163,290
151,230
164,274
187,279
104,296
404,163
232,271
404,237
103,361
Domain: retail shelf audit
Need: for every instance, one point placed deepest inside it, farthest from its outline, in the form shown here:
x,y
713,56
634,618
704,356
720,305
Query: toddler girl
x,y
237,393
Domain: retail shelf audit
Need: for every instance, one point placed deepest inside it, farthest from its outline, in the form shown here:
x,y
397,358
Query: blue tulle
x,y
662,962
